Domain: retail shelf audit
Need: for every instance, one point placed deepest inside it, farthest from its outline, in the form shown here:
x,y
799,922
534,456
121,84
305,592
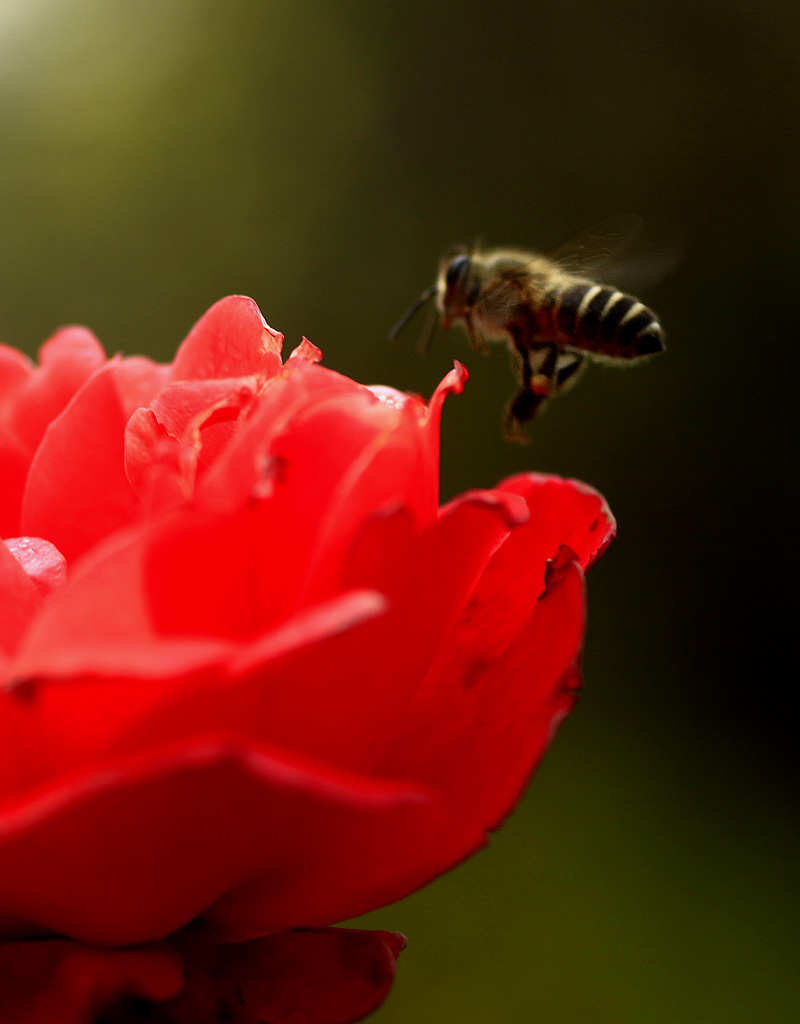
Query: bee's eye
x,y
457,271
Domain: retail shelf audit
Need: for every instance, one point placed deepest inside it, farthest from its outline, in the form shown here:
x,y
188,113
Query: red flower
x,y
254,674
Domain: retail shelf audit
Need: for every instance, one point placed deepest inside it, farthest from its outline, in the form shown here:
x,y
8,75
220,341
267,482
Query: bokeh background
x,y
319,156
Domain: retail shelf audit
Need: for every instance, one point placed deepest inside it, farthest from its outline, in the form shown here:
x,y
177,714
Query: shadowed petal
x,y
317,976
61,982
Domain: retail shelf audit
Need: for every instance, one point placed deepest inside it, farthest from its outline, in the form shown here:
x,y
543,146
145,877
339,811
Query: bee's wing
x,y
589,249
569,368
625,251
536,357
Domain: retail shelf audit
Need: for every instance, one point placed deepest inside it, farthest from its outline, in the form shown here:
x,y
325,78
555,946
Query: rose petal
x,y
317,976
15,459
472,739
306,351
307,398
96,855
450,555
61,982
160,469
476,734
81,631
333,455
184,430
183,402
451,384
309,686
219,575
15,369
231,340
476,745
19,601
301,688
321,660
77,490
66,361
42,562
139,380
477,749
335,694
561,512
564,512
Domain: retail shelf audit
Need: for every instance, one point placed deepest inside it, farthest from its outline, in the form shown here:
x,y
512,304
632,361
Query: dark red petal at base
x,y
60,982
315,976
318,976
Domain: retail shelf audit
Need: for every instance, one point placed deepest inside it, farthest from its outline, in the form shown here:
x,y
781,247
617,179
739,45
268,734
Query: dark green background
x,y
319,156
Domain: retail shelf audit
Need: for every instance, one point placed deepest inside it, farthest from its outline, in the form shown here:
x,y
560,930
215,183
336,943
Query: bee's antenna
x,y
400,325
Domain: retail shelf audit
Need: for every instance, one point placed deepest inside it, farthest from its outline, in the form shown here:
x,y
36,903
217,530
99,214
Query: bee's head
x,y
458,286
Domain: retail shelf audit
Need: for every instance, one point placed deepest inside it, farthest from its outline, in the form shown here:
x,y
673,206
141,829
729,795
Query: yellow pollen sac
x,y
540,384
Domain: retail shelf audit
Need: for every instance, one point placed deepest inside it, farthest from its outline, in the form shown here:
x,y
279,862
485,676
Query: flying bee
x,y
550,310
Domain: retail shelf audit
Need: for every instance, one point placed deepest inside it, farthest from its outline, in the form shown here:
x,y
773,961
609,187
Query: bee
x,y
549,309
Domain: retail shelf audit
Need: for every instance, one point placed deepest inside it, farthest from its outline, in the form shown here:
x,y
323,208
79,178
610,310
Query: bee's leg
x,y
521,410
426,337
536,388
541,382
477,343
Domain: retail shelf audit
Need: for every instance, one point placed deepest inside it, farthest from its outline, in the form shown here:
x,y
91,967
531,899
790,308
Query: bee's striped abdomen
x,y
566,305
601,319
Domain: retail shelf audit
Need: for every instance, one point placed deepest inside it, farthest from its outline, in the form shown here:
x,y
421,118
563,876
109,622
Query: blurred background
x,y
320,156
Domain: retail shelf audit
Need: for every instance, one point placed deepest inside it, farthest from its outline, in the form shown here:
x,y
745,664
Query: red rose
x,y
254,675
